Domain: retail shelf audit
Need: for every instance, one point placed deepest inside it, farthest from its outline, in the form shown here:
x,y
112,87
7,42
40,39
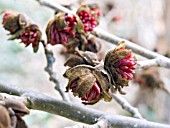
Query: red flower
x,y
126,67
60,29
120,64
93,94
88,20
31,35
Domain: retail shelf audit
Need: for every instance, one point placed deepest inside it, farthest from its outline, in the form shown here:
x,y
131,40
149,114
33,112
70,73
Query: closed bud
x,y
13,21
120,64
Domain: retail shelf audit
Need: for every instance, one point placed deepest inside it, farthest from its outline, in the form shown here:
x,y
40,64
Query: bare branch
x,y
127,106
148,63
49,69
100,124
38,101
54,5
163,61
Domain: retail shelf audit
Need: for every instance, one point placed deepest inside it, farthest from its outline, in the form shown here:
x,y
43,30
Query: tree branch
x,y
100,124
38,101
163,61
127,106
49,69
149,63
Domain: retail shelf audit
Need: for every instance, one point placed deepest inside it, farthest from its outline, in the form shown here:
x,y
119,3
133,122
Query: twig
x,y
148,63
39,101
54,5
163,61
100,124
127,106
49,69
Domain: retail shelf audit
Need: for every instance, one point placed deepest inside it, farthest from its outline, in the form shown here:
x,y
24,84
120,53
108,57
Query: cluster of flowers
x,y
20,28
71,30
87,79
91,83
66,29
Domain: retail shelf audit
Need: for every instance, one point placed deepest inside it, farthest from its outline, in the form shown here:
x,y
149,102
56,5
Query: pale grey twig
x,y
49,69
127,106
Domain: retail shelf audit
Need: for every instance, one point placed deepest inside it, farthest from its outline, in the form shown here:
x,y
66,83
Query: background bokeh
x,y
145,22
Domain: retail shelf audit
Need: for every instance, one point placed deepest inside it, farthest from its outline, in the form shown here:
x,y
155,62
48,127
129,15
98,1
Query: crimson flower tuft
x,y
31,35
62,29
93,94
87,18
126,67
120,64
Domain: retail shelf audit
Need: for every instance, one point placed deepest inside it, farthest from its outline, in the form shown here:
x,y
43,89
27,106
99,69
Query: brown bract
x,y
11,112
13,21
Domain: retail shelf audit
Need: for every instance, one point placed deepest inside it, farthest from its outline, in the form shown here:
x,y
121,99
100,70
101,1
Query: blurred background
x,y
145,22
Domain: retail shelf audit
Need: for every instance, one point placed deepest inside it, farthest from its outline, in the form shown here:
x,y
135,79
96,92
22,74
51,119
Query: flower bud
x,y
87,18
13,21
88,83
120,64
31,35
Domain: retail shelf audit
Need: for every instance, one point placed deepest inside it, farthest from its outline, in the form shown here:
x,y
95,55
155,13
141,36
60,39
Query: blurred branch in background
x,y
38,101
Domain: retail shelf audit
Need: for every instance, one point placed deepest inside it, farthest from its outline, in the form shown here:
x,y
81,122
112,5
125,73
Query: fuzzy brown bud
x,y
13,21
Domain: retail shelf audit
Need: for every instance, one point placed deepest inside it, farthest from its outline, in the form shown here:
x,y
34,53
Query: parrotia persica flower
x,y
87,17
31,35
13,21
88,83
20,28
63,28
120,64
